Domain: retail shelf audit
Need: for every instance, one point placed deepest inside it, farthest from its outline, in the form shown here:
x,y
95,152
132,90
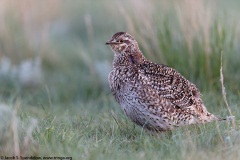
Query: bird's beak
x,y
111,42
108,42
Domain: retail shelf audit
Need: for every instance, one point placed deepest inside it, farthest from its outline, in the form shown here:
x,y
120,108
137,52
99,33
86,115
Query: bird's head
x,y
122,42
125,48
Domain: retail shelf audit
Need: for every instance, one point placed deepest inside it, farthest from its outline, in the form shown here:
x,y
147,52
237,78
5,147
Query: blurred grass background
x,y
54,67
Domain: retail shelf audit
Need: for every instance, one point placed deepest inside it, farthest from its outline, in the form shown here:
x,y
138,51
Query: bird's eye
x,y
121,41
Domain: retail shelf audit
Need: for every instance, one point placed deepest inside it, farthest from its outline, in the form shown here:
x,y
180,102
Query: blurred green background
x,y
65,42
53,54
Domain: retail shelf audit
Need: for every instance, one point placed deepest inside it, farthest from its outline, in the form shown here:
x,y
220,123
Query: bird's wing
x,y
170,84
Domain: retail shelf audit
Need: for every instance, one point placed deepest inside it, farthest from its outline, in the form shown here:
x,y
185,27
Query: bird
x,y
154,96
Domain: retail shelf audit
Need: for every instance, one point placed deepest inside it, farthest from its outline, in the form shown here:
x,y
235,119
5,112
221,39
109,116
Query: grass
x,y
89,131
70,111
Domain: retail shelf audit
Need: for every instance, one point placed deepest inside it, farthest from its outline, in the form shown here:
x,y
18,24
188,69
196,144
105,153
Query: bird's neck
x,y
128,58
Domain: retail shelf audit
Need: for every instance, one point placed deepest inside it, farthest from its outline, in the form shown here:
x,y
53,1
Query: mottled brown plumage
x,y
154,96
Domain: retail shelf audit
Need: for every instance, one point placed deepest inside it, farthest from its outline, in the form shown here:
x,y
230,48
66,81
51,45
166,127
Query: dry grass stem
x,y
15,134
224,94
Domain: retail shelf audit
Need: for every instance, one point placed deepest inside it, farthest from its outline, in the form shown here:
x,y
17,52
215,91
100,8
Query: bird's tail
x,y
216,118
221,118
